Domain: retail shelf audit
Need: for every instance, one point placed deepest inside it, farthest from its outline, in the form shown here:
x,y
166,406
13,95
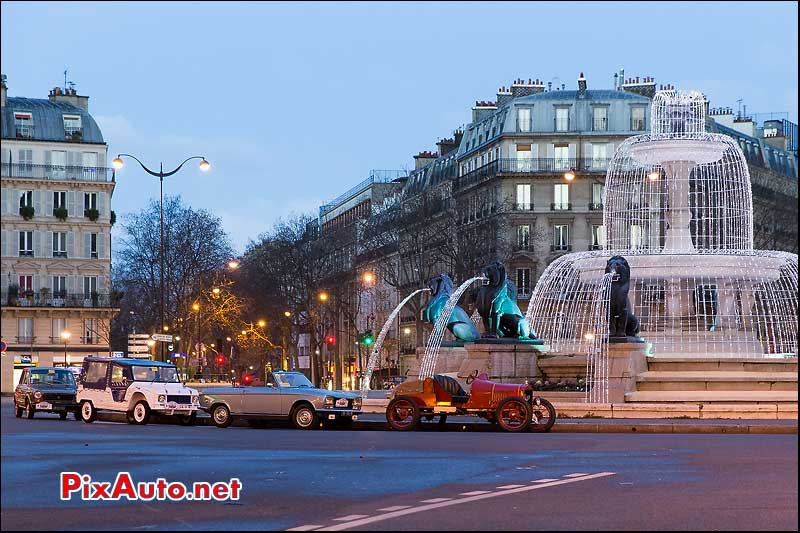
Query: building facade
x,y
56,233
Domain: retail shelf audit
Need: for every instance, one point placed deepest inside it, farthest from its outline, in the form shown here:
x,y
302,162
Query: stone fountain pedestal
x,y
504,362
626,360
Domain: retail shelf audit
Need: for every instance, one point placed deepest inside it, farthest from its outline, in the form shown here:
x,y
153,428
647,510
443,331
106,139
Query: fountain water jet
x,y
376,350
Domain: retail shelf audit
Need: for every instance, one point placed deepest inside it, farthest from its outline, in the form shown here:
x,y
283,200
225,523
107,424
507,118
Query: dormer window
x,y
72,127
23,123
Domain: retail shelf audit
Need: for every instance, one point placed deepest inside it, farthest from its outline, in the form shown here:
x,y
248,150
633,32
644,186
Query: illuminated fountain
x,y
678,207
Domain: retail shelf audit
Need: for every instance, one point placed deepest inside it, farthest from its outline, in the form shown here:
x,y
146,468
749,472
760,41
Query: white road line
x,y
307,527
475,493
395,508
545,480
435,500
422,508
506,487
576,475
350,517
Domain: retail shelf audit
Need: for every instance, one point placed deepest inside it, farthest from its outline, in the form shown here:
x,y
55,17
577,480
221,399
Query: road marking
x,y
451,502
576,475
435,500
395,508
307,527
506,487
545,480
474,493
350,517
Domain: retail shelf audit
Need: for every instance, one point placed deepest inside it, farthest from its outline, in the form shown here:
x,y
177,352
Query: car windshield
x,y
52,378
161,374
292,380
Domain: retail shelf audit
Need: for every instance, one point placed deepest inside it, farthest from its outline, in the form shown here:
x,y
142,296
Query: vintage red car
x,y
512,407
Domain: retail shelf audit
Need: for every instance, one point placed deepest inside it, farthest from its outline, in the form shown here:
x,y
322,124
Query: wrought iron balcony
x,y
595,247
599,124
595,207
536,165
637,124
57,172
48,299
523,293
560,247
523,207
560,207
24,131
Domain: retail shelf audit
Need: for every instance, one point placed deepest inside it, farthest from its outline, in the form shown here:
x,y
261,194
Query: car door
x,y
263,400
94,385
22,388
119,382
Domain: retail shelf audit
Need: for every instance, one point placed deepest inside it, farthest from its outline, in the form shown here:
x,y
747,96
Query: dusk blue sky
x,y
295,103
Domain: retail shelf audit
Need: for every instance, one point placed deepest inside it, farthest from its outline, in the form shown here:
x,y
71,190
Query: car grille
x,y
179,398
59,397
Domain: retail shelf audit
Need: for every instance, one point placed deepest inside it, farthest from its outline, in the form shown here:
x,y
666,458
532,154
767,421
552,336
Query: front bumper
x,y
336,414
174,409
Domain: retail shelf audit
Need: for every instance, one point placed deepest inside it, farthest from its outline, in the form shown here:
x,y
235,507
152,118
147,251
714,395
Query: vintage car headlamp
x,y
162,398
37,395
328,401
357,403
195,399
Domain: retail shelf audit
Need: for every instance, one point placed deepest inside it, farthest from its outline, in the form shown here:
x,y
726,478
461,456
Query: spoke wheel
x,y
403,414
30,410
543,415
513,414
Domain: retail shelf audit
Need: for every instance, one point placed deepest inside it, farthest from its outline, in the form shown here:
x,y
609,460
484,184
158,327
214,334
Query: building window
x,y
25,330
26,199
600,119
26,244
524,237
90,333
58,165
523,282
523,163
26,163
599,155
23,122
90,166
637,118
598,237
59,244
26,285
597,196
636,236
561,197
523,196
59,286
72,126
561,154
561,237
524,119
59,326
562,119
89,200
89,286
59,200
93,245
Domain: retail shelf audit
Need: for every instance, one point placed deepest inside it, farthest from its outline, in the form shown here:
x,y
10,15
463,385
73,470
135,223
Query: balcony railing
x,y
561,124
637,124
57,172
536,165
560,247
24,131
523,207
523,293
561,207
524,126
33,299
599,124
523,247
595,247
595,207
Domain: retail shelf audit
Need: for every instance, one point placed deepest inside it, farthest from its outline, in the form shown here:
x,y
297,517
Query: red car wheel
x,y
402,414
513,414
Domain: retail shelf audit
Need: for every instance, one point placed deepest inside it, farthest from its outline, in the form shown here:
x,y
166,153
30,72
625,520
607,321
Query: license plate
x,y
346,413
341,402
41,406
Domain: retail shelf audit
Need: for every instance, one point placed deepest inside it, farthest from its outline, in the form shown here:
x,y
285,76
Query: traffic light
x,y
220,359
331,340
247,378
368,339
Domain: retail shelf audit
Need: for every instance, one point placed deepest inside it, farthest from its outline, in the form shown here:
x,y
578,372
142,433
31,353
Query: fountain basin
x,y
660,151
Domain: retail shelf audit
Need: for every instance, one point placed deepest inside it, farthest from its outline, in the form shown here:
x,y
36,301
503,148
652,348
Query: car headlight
x,y
357,403
328,401
195,399
37,395
162,398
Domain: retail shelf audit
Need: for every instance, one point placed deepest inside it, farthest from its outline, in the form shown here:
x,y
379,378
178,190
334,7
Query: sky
x,y
294,103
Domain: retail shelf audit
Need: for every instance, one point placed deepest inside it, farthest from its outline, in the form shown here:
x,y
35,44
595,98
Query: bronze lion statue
x,y
497,305
622,322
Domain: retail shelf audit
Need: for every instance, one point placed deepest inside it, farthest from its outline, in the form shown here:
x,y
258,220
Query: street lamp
x,y
233,264
118,163
323,297
368,278
287,314
262,323
569,175
65,335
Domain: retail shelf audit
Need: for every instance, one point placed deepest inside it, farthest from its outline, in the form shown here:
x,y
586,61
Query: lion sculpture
x,y
497,305
622,322
459,323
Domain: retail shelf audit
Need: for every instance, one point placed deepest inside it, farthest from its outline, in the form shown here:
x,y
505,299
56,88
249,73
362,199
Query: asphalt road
x,y
324,480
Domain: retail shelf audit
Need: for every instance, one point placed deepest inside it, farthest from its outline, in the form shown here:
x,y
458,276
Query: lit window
x,y
523,196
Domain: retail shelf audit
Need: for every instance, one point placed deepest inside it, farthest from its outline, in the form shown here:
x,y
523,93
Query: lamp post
x,y
118,163
65,335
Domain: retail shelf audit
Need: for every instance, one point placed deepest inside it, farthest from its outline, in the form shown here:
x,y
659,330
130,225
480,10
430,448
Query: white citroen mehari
x,y
135,387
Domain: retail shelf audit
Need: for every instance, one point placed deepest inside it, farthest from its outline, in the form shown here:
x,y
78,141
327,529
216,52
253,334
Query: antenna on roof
x,y
739,101
65,79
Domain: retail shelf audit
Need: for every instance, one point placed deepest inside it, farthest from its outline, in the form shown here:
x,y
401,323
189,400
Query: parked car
x,y
512,407
136,387
49,390
286,396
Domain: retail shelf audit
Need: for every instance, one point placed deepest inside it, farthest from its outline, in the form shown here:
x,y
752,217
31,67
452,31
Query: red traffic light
x,y
247,378
220,360
331,340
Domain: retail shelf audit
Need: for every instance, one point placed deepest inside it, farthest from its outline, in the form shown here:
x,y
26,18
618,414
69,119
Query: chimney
x,y
457,136
3,90
581,86
522,88
645,87
69,96
445,146
503,96
482,110
423,158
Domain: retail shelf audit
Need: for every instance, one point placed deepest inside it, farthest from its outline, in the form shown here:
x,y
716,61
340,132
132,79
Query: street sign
x,y
117,354
170,347
3,346
161,337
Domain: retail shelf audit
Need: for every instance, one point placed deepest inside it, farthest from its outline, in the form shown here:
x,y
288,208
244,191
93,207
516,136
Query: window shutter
x,y
37,244
101,245
48,157
48,203
534,150
35,282
610,151
572,151
37,203
551,151
71,203
87,245
101,204
71,244
4,235
13,202
3,200
49,244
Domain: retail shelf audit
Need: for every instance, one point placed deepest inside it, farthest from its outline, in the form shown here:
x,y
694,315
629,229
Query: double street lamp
x,y
118,163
